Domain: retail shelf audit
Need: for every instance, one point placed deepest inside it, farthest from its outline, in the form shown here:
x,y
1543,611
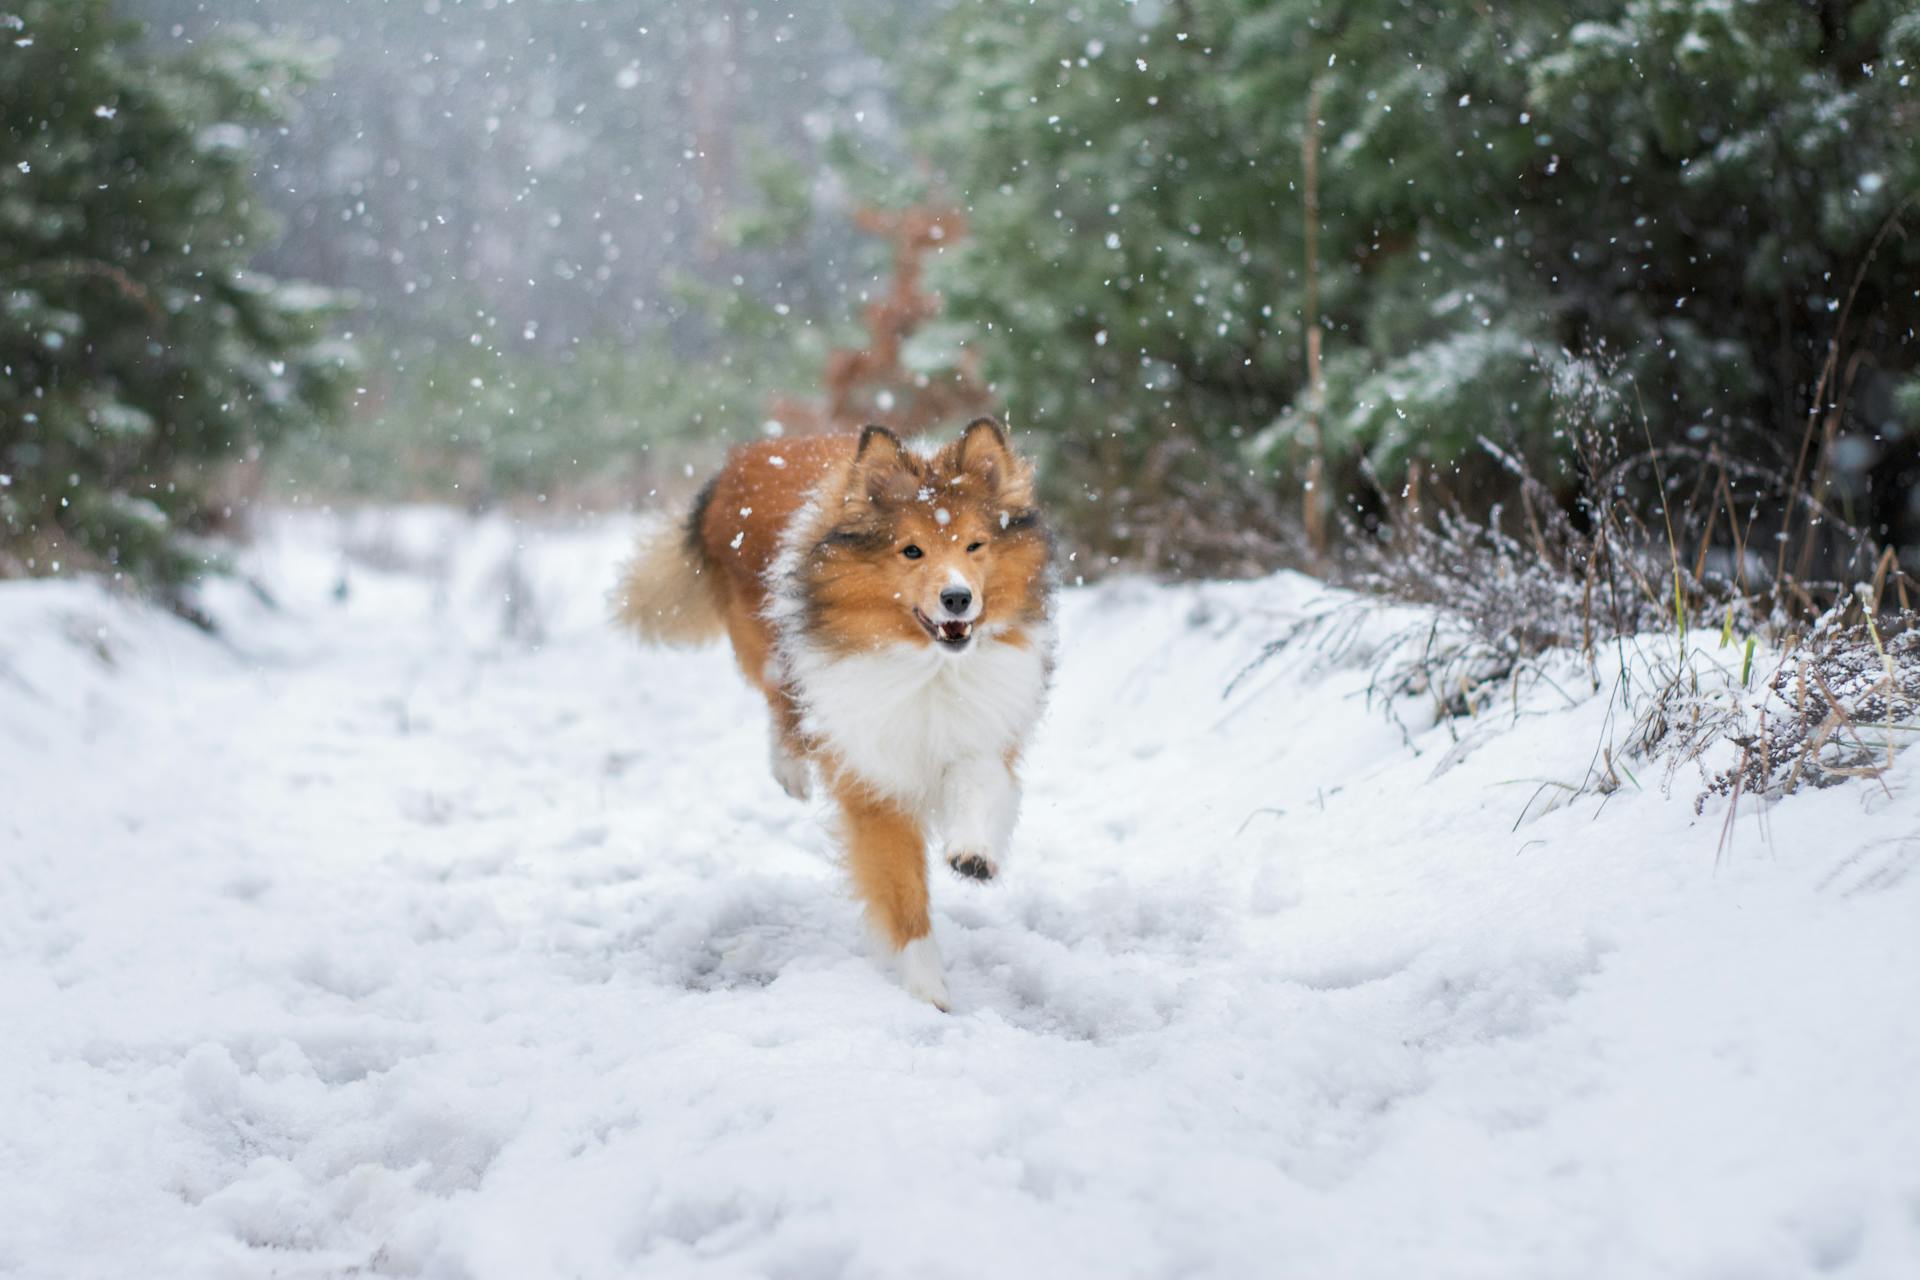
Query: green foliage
x,y
593,426
785,207
138,353
594,422
1683,189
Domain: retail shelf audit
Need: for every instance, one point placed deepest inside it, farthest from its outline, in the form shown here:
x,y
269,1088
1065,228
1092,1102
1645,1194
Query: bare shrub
x,y
1645,578
1841,705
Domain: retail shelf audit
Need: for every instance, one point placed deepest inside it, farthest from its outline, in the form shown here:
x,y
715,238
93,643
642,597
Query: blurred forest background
x,y
1261,282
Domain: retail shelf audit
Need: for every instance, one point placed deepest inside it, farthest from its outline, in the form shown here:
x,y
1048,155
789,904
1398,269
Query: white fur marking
x,y
792,772
900,716
921,972
978,805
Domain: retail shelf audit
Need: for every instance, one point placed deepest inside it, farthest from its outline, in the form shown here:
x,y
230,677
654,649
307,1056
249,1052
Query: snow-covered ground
x,y
420,930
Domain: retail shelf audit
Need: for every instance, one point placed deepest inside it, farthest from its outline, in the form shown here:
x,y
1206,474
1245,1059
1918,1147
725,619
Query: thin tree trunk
x,y
1315,506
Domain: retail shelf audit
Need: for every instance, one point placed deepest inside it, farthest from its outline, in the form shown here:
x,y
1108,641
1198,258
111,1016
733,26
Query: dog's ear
x,y
880,464
984,447
985,451
878,441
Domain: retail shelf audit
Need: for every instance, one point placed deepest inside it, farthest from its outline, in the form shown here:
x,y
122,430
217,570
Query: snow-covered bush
x,y
1691,184
139,354
1710,664
1837,705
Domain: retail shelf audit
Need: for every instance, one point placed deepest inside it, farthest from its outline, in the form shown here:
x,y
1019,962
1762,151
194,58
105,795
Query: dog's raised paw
x,y
792,774
974,866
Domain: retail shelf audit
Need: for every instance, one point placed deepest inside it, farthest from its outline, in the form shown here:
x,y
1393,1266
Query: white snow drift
x,y
427,928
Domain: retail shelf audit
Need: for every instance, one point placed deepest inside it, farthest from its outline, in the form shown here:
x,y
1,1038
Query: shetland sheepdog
x,y
894,606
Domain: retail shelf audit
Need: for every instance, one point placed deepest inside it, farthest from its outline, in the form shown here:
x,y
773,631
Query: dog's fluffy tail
x,y
668,593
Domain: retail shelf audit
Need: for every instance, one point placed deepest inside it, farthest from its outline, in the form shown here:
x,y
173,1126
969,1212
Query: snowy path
x,y
371,941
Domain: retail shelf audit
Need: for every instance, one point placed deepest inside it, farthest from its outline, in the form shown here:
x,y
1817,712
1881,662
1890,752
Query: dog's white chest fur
x,y
901,716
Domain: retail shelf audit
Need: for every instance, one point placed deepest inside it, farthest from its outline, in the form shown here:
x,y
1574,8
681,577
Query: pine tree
x,y
139,354
1671,197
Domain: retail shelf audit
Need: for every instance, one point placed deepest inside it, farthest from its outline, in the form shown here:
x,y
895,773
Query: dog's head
x,y
930,549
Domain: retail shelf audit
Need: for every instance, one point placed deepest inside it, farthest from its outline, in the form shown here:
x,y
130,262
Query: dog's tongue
x,y
954,630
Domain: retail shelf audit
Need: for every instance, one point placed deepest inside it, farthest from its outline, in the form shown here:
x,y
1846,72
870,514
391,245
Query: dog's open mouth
x,y
951,634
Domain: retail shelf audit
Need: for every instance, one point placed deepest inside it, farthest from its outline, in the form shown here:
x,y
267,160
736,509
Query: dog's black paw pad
x,y
972,866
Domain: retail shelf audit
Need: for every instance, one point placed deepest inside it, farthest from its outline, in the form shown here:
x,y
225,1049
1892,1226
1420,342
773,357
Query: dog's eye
x,y
974,546
911,552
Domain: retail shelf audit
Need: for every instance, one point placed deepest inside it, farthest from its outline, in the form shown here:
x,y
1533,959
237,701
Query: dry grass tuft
x,y
1841,706
1644,583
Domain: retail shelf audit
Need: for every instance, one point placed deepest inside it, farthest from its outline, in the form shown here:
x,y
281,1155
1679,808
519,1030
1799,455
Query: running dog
x,y
894,606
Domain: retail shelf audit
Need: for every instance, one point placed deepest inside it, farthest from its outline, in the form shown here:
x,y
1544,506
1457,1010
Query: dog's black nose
x,y
955,600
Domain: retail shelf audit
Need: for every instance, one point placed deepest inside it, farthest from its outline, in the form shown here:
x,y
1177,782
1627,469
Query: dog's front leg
x,y
887,855
789,746
980,800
